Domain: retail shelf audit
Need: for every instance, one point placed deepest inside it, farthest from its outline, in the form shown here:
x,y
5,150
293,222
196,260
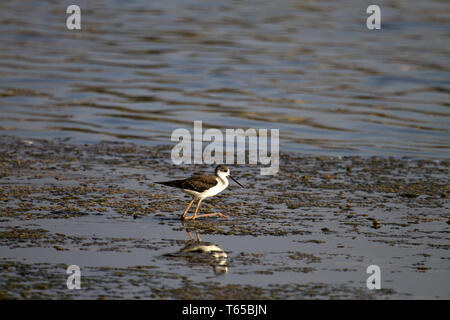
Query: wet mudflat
x,y
308,233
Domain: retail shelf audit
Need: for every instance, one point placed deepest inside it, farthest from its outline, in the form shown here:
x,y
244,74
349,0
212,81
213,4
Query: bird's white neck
x,y
223,178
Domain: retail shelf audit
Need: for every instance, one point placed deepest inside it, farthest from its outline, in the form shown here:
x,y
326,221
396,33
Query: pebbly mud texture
x,y
98,206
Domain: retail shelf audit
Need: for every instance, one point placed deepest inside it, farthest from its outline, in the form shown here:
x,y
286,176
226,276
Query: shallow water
x,y
137,71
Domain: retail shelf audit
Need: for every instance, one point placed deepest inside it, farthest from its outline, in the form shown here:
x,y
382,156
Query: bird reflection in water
x,y
202,252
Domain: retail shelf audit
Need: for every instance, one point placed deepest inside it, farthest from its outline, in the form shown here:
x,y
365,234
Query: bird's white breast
x,y
219,187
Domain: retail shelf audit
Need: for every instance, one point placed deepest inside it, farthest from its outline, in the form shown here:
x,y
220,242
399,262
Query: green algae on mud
x,y
316,202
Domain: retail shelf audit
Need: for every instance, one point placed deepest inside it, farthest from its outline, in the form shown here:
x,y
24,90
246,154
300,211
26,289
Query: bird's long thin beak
x,y
236,181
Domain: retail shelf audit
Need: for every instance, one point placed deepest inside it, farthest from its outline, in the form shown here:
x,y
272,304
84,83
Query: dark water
x,y
138,70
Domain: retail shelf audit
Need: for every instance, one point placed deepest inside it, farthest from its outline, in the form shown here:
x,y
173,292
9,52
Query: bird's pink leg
x,y
203,215
187,209
212,214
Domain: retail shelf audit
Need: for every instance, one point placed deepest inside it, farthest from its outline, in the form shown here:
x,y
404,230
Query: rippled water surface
x,y
138,70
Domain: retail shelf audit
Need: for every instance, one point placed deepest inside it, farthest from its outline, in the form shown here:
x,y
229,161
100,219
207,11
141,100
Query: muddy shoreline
x,y
327,218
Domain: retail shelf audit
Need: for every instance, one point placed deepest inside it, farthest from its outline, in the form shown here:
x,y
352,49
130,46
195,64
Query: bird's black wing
x,y
197,183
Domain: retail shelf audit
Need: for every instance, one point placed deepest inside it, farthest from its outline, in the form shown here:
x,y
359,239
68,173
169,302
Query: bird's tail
x,y
173,183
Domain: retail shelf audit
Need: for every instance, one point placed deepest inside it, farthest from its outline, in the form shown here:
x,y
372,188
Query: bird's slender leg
x,y
207,214
204,215
196,209
212,214
195,213
188,207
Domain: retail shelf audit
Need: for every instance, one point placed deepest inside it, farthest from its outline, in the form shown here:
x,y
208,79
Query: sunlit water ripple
x,y
137,71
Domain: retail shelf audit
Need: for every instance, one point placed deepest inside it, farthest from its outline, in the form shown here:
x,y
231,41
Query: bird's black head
x,y
222,169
